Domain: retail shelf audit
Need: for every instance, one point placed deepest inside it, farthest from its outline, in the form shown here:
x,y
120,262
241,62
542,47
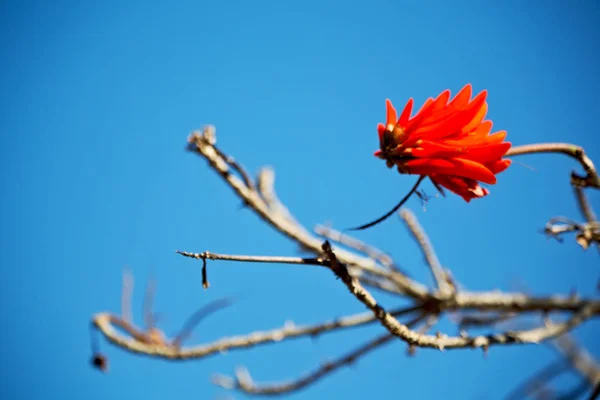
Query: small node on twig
x,y
100,362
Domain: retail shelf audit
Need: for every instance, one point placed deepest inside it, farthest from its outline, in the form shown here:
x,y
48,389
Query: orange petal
x,y
438,116
456,122
424,112
478,136
450,166
476,120
429,149
403,120
380,131
468,189
441,101
497,137
462,98
487,153
498,166
390,113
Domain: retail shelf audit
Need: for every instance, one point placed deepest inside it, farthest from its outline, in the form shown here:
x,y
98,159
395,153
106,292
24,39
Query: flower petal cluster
x,y
447,140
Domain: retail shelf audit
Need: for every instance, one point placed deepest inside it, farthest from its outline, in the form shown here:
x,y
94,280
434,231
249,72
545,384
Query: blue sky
x,y
98,98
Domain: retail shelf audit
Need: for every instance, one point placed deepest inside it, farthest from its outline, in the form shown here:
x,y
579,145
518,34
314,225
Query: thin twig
x,y
571,150
136,342
584,205
587,233
198,316
385,282
201,143
404,333
211,134
532,383
469,321
435,267
462,300
244,382
257,259
430,322
579,358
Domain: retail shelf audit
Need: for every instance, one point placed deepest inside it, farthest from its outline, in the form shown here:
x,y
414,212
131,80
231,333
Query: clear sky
x,y
98,98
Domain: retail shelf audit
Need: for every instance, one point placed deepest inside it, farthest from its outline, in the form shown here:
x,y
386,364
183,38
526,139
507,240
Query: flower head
x,y
447,140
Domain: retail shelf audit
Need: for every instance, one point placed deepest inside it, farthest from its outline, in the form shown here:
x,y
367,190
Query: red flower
x,y
448,141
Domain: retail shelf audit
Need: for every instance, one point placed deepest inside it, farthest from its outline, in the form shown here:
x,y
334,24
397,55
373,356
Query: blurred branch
x,y
243,381
590,180
356,244
584,205
138,343
437,271
539,379
579,358
587,233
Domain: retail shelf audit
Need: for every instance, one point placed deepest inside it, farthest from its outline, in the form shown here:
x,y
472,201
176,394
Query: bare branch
x,y
587,233
266,189
244,382
419,234
533,383
584,205
581,360
198,316
257,259
404,333
137,342
518,302
380,280
201,144
571,150
483,301
430,322
469,321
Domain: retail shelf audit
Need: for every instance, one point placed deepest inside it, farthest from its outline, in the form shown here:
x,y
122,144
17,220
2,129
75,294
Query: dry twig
x,y
244,382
